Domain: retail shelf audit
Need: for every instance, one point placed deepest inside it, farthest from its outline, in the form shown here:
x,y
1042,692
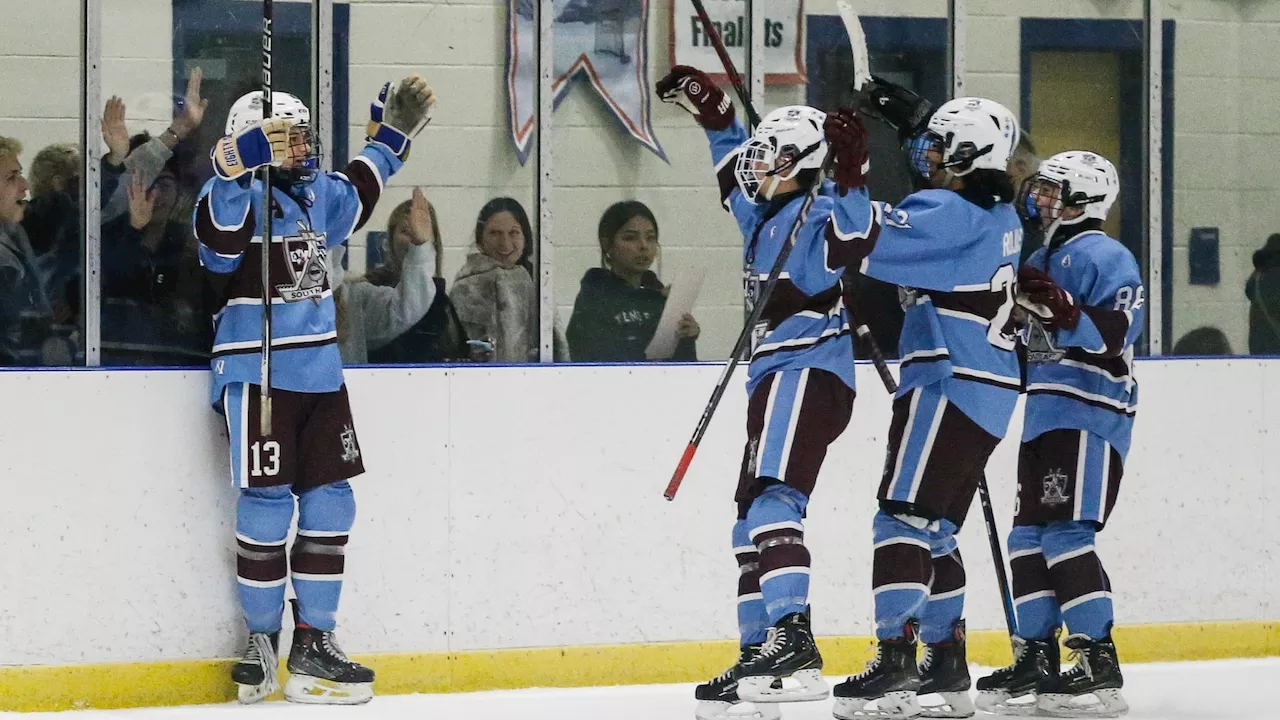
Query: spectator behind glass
x,y
494,291
24,307
151,280
439,336
1263,291
619,304
1205,340
370,316
52,222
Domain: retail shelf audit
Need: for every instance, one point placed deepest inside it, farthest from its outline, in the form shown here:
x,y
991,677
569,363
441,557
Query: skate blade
x,y
951,705
896,705
1000,702
318,691
712,710
800,686
250,694
1108,703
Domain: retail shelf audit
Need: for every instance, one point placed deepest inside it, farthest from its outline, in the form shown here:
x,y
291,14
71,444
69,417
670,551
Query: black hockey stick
x,y
748,329
264,419
753,117
997,555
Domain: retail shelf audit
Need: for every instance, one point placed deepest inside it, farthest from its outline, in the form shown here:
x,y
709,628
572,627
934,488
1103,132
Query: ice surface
x,y
1234,689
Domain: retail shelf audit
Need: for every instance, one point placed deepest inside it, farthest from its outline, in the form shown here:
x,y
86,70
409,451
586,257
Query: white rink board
x,y
522,506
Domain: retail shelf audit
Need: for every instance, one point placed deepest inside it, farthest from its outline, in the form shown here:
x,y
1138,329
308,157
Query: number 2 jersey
x,y
955,264
1082,379
310,218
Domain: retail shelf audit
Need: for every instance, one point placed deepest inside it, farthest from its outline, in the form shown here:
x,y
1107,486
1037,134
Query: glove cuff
x,y
721,119
390,138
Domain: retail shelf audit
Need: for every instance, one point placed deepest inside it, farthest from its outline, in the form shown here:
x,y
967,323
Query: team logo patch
x,y
308,265
350,450
1040,347
1055,488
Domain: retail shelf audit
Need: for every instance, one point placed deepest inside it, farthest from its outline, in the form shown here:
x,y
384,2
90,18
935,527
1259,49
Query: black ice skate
x,y
888,687
320,673
1012,690
945,671
718,699
255,674
1091,689
789,653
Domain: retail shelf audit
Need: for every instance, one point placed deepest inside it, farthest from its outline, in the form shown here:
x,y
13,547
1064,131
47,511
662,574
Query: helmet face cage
x,y
1040,198
754,164
919,149
303,144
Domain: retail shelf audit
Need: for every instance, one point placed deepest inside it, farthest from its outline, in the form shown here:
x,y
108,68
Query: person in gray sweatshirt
x,y
370,316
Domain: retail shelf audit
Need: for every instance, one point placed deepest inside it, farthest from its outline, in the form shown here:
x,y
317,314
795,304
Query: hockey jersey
x,y
1082,379
804,324
308,219
955,263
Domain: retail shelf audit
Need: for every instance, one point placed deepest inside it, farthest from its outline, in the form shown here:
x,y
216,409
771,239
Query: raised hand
x,y
141,202
264,143
693,90
115,133
847,140
193,107
398,114
419,218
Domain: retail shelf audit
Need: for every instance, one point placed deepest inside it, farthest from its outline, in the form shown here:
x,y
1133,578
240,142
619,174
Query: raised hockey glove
x,y
265,143
1045,300
692,89
398,114
905,111
847,139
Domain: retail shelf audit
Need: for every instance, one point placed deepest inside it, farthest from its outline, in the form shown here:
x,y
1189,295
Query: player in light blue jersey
x,y
953,248
1084,299
800,377
312,449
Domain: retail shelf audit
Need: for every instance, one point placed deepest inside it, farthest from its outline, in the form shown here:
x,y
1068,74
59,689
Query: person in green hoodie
x,y
619,304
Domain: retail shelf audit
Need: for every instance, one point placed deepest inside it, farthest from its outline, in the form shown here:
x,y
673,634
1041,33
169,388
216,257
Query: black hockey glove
x,y
905,111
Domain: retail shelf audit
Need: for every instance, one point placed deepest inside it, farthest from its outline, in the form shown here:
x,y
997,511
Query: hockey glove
x,y
266,143
905,111
399,114
692,89
847,139
1045,300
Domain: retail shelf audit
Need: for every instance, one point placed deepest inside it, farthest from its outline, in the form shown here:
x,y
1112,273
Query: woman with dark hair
x,y
618,307
494,291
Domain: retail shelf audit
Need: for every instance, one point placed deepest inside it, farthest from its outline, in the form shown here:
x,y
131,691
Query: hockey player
x,y
1084,297
312,449
953,248
800,377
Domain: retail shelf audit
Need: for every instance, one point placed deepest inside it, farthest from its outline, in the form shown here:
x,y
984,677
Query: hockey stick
x,y
753,117
997,555
264,418
757,310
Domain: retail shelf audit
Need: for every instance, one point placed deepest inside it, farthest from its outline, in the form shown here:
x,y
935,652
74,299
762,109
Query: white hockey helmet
x,y
788,140
247,112
968,133
1075,178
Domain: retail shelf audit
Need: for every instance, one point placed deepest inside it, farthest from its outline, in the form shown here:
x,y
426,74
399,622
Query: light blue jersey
x,y
310,218
804,324
1082,379
956,265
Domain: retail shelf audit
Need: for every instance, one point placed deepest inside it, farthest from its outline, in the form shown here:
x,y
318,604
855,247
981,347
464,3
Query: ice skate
x,y
789,654
321,674
944,673
255,674
888,687
1091,689
1012,690
718,699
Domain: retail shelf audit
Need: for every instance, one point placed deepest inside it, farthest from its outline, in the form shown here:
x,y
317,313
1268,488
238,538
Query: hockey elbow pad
x,y
250,149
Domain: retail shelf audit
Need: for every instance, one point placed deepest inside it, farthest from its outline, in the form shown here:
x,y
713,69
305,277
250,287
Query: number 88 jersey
x,y
1088,383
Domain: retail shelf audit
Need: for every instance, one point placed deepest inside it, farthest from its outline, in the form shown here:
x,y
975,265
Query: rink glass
x,y
1079,76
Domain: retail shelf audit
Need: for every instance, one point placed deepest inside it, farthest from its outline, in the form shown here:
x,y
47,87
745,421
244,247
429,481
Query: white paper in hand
x,y
684,291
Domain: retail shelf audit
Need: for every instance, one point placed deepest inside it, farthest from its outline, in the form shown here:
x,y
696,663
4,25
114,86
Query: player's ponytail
x,y
985,187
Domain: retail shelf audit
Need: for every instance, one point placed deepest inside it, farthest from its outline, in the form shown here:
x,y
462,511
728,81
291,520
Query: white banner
x,y
783,48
